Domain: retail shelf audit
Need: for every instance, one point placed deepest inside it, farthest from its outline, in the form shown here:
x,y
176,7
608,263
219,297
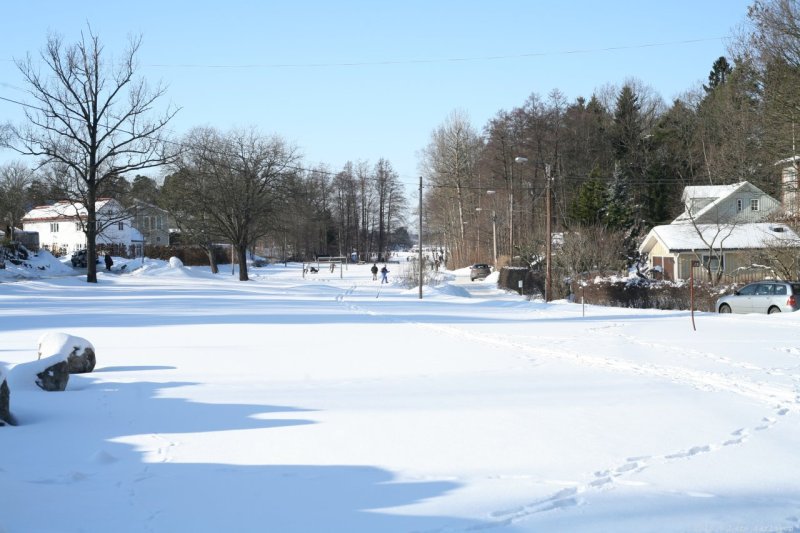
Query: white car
x,y
762,297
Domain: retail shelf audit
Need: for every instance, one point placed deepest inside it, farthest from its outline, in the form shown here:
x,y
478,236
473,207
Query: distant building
x,y
61,226
152,222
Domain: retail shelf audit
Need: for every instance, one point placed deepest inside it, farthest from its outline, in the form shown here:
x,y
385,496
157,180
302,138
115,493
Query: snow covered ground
x,y
287,404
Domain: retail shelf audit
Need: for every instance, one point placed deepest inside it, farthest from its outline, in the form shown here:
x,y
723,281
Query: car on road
x,y
479,271
762,297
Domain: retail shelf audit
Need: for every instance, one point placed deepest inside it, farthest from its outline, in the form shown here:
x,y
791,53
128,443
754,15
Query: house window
x,y
754,204
54,227
713,262
739,205
159,222
78,226
121,226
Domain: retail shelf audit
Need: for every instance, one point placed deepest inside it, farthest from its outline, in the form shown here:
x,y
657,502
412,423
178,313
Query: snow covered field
x,y
286,404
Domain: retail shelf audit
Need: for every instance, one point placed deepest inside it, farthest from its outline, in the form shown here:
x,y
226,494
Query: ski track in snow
x,y
780,400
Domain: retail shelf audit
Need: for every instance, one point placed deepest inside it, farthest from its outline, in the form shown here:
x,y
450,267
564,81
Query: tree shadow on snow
x,y
72,454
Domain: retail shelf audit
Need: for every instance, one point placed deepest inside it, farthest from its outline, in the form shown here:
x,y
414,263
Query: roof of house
x,y
63,210
688,237
716,192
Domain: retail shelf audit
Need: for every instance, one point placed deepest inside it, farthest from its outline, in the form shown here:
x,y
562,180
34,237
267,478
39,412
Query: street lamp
x,y
548,230
494,232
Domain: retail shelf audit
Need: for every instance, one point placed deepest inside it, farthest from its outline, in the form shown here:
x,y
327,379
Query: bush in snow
x,y
78,352
645,294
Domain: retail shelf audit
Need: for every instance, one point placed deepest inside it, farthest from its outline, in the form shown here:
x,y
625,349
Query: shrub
x,y
190,255
646,294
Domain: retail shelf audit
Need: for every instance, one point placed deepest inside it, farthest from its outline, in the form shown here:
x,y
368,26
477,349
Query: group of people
x,y
384,273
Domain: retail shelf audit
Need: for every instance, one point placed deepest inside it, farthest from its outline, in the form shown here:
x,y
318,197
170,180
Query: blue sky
x,y
360,80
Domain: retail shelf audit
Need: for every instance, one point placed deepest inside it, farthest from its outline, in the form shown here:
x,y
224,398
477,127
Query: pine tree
x,y
720,71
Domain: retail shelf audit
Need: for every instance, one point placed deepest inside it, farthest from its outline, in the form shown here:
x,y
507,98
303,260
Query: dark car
x,y
479,271
78,259
762,297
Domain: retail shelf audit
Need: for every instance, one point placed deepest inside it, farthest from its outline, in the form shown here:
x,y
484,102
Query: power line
x,y
423,61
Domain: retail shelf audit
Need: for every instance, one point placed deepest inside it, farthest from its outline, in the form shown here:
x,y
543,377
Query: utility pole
x,y
549,232
421,275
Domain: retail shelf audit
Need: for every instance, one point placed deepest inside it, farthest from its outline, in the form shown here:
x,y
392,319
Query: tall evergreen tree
x,y
720,71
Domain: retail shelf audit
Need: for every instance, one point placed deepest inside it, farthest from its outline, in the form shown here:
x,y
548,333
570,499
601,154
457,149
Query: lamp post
x,y
549,245
548,230
421,275
494,233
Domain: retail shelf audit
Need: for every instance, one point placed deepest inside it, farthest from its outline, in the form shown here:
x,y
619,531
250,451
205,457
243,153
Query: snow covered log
x,y
78,351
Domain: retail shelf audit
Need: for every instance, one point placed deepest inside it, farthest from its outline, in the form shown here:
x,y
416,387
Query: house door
x,y
669,268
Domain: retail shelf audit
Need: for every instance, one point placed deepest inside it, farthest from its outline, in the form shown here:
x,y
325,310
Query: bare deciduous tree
x,y
14,181
231,181
89,119
450,162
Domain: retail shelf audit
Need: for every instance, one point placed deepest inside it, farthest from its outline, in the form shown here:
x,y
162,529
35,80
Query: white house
x,y
60,226
735,203
672,248
720,223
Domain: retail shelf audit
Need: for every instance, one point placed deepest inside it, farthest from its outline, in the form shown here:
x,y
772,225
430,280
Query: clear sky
x,y
359,80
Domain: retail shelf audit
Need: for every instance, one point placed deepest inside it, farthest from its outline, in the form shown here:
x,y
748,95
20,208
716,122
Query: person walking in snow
x,y
108,261
374,271
384,274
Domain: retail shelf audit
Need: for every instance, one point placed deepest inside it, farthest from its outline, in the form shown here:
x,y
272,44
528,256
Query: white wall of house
x,y
59,236
63,233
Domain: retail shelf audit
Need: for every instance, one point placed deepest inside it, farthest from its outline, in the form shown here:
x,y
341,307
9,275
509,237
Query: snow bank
x,y
173,268
40,265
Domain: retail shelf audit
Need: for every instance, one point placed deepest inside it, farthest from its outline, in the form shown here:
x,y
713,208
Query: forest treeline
x,y
616,162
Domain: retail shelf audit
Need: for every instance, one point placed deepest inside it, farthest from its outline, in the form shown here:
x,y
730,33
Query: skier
x,y
374,271
384,273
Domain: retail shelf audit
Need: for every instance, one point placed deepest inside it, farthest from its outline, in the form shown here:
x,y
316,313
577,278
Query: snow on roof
x,y
793,159
717,194
62,209
685,237
710,191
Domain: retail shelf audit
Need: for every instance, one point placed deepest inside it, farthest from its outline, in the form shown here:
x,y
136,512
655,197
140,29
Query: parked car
x,y
479,271
762,297
78,259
